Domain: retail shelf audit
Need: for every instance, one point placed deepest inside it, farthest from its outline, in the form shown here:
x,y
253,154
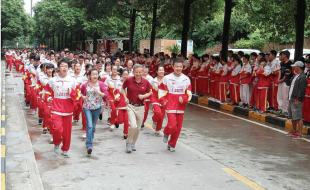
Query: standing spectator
x,y
138,89
245,80
274,81
93,92
283,89
235,82
306,105
296,97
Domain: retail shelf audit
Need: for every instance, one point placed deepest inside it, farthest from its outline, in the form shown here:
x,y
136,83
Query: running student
x,y
158,108
119,102
147,101
92,94
174,92
62,90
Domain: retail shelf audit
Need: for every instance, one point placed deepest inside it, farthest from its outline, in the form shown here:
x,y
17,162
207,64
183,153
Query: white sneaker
x,y
56,149
51,141
154,125
84,135
65,153
112,127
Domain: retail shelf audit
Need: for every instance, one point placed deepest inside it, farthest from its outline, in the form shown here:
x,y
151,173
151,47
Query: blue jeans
x,y
91,120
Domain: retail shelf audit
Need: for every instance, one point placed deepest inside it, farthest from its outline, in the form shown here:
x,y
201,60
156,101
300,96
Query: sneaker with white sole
x,y
56,149
165,139
133,147
84,134
112,127
128,148
154,125
65,153
172,149
33,112
168,147
51,141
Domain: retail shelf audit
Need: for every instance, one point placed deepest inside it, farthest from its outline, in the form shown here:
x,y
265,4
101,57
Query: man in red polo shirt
x,y
138,89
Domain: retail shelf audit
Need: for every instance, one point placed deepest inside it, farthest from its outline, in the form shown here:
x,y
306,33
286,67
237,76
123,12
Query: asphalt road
x,y
215,151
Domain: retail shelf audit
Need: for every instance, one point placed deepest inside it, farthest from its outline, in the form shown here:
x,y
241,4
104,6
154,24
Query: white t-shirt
x,y
292,87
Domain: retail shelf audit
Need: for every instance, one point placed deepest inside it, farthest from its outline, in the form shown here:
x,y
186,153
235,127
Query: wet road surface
x,y
209,142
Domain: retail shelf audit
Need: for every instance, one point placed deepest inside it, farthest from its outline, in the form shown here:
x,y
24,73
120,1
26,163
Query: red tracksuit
x,y
262,85
158,108
194,75
31,75
147,101
170,90
200,78
9,60
63,92
274,82
111,83
223,82
235,84
47,123
254,87
306,104
120,104
206,82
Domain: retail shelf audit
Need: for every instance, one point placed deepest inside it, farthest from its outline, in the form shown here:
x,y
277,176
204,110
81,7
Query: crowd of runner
x,y
62,87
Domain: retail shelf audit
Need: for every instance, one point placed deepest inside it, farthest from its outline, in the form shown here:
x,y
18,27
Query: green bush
x,y
174,49
250,44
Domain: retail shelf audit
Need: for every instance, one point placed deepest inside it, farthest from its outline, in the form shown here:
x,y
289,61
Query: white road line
x,y
278,130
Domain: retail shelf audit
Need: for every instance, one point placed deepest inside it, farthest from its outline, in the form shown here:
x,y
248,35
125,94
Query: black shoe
x,y
235,104
109,120
89,150
45,130
125,136
100,117
116,125
27,104
40,121
142,126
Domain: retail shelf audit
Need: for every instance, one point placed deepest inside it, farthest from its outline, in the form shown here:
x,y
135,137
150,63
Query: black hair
x,y
205,55
99,61
287,54
254,54
37,58
308,61
262,54
32,56
230,51
177,60
217,58
159,67
302,59
55,70
81,57
74,61
42,66
63,61
241,53
308,55
122,70
263,59
239,60
246,56
273,52
49,66
146,66
76,53
87,66
91,70
106,64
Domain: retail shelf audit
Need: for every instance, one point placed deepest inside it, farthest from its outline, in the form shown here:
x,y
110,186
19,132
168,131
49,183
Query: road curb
x,y
3,134
282,122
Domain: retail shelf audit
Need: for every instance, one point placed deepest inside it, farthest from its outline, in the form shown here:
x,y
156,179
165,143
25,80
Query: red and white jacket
x,y
154,97
171,89
246,70
150,79
263,81
111,84
119,104
63,92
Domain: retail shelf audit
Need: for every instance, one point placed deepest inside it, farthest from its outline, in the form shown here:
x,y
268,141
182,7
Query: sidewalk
x,y
22,170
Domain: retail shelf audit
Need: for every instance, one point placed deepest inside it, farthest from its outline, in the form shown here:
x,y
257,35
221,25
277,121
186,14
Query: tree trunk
x,y
95,43
132,28
154,25
83,39
300,27
66,39
62,41
53,39
58,37
225,38
186,20
71,41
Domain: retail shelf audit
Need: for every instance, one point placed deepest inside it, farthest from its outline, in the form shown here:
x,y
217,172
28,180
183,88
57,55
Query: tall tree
x,y
186,22
154,23
228,7
300,18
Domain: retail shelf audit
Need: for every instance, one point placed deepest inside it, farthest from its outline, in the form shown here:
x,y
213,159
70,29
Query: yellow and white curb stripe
x,y
3,137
